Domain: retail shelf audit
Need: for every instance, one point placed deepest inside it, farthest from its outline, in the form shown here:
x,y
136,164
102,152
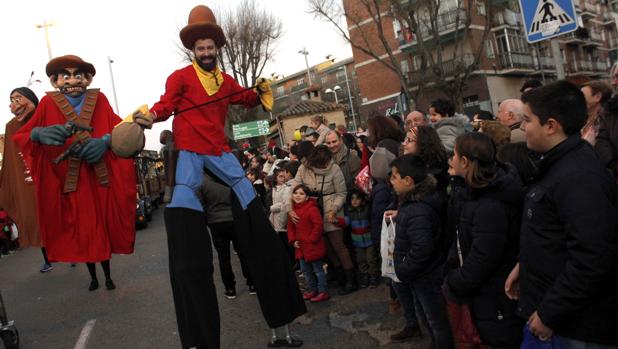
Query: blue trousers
x,y
426,295
190,175
314,274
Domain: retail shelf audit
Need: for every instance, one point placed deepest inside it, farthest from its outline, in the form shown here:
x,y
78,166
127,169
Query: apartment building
x,y
334,82
507,60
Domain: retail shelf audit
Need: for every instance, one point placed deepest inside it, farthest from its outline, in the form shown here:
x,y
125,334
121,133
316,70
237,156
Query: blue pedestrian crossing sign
x,y
544,19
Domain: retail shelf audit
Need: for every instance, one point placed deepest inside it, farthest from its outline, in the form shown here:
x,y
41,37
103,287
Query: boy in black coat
x,y
419,245
568,267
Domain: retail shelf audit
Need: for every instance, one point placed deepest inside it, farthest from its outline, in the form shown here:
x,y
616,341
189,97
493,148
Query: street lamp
x,y
46,25
306,53
347,83
334,91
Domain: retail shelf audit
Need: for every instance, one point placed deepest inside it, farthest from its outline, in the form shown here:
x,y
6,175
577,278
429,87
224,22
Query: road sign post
x,y
545,19
250,129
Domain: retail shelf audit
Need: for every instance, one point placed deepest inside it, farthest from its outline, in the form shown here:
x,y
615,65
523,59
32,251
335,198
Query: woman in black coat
x,y
485,210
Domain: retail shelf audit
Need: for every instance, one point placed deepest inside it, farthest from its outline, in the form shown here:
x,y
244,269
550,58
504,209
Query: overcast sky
x,y
141,37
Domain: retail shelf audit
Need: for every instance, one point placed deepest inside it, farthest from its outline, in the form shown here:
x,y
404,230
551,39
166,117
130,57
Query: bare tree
x,y
252,34
448,70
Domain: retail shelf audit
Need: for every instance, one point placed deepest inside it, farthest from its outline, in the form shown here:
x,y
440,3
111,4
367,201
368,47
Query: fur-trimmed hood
x,y
421,190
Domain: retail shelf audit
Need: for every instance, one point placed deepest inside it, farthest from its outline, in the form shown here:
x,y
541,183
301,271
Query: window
x,y
341,76
280,91
300,81
480,7
405,67
489,49
417,62
471,105
397,28
324,79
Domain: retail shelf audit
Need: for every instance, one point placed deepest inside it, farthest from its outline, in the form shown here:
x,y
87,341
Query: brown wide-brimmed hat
x,y
202,25
68,61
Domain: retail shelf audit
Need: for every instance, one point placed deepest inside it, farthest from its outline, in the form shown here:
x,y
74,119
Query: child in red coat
x,y
307,238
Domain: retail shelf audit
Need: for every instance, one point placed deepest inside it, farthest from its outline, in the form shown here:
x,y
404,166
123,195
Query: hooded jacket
x,y
449,128
487,221
279,209
382,196
419,233
334,190
308,232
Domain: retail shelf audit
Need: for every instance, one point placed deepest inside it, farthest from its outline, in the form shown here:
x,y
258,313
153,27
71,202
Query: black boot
x,y
350,284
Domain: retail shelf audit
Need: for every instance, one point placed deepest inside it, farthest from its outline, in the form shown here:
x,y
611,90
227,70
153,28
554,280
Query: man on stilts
x,y
199,136
86,202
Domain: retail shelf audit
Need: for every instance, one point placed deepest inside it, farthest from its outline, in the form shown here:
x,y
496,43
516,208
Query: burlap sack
x,y
128,140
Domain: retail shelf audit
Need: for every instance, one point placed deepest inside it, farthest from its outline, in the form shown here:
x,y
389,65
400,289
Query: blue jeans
x,y
575,344
431,307
311,269
403,291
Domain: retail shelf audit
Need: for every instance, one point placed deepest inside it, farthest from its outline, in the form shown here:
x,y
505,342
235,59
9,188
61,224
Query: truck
x,y
150,176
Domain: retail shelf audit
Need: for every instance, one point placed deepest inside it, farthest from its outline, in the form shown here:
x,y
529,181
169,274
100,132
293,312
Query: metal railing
x,y
600,66
444,22
449,68
547,62
590,7
300,87
514,60
595,36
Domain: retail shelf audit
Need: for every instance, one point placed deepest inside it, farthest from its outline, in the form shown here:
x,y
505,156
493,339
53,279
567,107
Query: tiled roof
x,y
310,107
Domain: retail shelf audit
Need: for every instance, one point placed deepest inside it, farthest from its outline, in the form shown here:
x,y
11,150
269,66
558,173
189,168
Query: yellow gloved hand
x,y
266,94
142,116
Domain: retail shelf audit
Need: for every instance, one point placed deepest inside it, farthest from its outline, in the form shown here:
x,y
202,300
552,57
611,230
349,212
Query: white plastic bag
x,y
14,232
387,247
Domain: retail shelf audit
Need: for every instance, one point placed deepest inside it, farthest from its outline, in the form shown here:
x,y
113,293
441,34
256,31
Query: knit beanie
x,y
26,92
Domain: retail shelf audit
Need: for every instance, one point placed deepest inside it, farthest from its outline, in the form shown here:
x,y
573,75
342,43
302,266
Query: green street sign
x,y
250,129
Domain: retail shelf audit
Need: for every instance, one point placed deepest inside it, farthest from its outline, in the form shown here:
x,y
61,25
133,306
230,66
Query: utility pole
x,y
111,74
306,53
347,83
46,25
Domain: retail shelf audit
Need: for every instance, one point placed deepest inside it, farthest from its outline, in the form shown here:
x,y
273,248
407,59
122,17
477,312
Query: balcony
x,y
595,39
608,19
299,88
543,65
446,23
588,11
579,67
505,18
572,39
450,68
600,67
613,43
514,62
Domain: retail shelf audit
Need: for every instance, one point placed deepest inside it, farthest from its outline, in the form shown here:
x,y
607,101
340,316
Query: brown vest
x,y
83,119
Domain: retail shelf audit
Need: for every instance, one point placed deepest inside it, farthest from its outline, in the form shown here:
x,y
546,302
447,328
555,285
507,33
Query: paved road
x,y
52,310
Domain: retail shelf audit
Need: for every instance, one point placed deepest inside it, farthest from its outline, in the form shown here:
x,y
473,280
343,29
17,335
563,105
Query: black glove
x,y
50,135
94,149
